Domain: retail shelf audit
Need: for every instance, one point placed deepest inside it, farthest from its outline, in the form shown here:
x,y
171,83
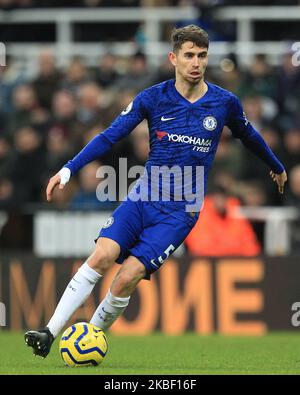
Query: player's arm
x,y
100,144
241,128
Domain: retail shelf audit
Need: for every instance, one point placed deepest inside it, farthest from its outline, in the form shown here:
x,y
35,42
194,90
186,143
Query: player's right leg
x,y
77,291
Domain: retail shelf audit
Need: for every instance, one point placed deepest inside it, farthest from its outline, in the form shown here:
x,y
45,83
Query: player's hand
x,y
280,179
61,179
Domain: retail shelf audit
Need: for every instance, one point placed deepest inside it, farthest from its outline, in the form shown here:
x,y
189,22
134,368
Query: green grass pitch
x,y
160,354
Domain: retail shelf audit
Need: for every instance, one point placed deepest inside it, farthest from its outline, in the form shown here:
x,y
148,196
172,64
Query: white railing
x,y
277,232
152,20
72,233
245,17
66,234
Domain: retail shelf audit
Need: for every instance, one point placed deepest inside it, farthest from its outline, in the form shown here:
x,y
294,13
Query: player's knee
x,y
101,260
128,277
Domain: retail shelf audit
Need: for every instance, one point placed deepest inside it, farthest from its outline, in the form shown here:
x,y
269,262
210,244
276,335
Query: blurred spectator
x,y
155,3
58,151
47,80
106,74
225,180
26,110
86,198
140,143
120,102
2,123
252,193
91,112
291,140
231,76
228,157
28,165
138,75
259,79
25,3
64,105
260,172
76,75
253,107
164,72
6,155
292,198
8,4
288,86
218,232
64,119
7,194
10,77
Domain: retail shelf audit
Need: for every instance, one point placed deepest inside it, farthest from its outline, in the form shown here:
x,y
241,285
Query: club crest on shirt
x,y
210,123
127,109
108,223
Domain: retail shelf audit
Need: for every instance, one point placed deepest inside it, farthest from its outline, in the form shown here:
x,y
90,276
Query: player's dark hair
x,y
191,33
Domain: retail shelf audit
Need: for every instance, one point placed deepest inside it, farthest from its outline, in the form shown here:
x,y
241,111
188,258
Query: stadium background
x,y
68,73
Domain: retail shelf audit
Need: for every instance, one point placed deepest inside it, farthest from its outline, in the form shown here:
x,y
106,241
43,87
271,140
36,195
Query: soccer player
x,y
186,117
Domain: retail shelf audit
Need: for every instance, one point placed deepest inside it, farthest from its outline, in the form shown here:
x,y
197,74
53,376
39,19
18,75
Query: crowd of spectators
x,y
47,120
204,15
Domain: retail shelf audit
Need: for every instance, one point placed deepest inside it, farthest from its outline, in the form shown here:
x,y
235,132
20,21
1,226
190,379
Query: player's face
x,y
190,62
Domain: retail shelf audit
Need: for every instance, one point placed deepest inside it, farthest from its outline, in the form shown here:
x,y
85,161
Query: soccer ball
x,y
83,344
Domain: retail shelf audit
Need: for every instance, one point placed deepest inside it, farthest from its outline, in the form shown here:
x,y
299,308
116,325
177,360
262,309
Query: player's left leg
x,y
117,298
161,235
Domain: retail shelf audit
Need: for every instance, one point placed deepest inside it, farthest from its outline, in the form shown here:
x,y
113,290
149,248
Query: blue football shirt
x,y
181,134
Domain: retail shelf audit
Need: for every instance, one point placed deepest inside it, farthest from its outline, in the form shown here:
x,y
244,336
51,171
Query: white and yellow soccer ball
x,y
83,344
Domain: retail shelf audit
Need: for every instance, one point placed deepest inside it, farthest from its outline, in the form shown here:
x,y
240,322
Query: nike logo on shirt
x,y
166,119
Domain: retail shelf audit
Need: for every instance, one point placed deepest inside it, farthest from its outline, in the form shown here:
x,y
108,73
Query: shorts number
x,y
161,259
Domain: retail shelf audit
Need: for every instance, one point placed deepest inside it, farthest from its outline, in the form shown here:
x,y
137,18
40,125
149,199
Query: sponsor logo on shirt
x,y
160,134
200,144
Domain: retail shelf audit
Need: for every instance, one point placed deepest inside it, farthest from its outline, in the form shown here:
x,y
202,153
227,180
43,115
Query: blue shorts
x,y
145,232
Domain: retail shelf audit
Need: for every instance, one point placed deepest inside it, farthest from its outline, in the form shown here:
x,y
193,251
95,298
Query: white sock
x,y
76,293
109,310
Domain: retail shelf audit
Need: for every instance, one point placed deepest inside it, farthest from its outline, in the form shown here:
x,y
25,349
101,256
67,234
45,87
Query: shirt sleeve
x,y
103,142
241,128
